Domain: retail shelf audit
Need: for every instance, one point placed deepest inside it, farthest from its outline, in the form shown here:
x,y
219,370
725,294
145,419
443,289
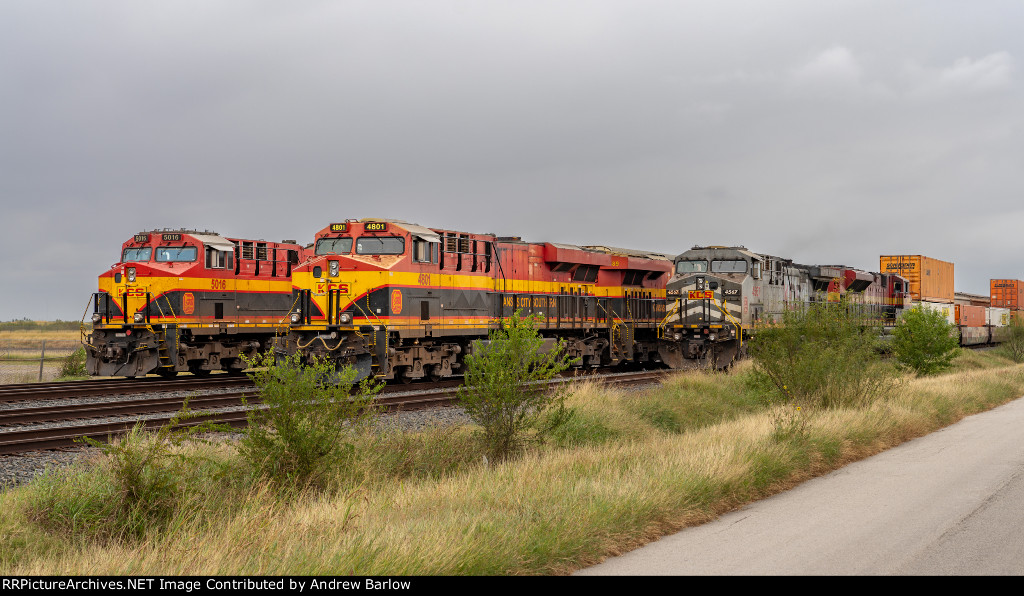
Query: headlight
x,y
712,337
295,317
345,318
97,317
677,336
131,274
334,268
139,317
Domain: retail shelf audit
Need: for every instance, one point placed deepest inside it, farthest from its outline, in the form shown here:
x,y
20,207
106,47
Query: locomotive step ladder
x,y
164,354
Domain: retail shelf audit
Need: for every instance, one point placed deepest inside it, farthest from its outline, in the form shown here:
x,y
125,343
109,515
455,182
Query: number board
x,y
340,227
700,295
376,226
172,237
142,237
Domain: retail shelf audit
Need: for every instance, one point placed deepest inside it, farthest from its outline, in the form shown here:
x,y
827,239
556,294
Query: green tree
x,y
297,432
925,342
506,392
823,354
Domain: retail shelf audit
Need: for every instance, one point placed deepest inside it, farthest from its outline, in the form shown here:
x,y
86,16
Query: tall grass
x,y
631,468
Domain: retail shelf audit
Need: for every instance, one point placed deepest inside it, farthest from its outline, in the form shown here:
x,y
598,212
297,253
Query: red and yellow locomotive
x,y
183,300
398,300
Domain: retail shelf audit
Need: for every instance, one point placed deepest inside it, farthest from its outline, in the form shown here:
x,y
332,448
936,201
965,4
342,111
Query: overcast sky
x,y
826,132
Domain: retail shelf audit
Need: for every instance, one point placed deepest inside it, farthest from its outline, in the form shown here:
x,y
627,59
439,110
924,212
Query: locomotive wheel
x,y
167,373
199,372
236,372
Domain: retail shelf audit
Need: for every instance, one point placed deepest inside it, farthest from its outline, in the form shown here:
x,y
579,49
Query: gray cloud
x,y
826,132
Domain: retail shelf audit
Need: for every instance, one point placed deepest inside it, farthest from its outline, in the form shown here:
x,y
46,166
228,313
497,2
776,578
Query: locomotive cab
x,y
354,288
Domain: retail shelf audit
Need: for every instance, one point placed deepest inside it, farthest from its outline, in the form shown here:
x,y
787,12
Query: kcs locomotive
x,y
401,301
184,300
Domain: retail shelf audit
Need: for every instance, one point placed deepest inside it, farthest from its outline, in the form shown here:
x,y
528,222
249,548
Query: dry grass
x,y
617,480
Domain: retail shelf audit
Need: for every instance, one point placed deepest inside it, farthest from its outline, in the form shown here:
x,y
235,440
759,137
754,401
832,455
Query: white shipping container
x,y
999,317
947,310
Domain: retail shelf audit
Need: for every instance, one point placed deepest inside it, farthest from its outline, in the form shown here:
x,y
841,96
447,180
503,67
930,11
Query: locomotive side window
x,y
136,255
331,246
380,245
420,251
175,254
732,266
692,267
216,259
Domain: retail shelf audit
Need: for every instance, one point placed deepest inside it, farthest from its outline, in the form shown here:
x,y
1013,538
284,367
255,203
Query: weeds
x,y
137,489
506,390
1013,346
74,365
822,355
296,437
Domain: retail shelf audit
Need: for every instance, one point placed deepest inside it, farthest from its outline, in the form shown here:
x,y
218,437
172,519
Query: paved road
x,y
950,503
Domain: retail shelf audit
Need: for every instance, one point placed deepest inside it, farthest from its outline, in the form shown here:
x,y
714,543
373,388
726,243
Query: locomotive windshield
x,y
333,246
377,245
173,254
738,266
137,255
691,267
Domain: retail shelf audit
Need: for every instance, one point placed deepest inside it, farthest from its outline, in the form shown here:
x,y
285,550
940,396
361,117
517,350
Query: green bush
x,y
74,365
505,390
297,436
925,342
823,354
1013,346
136,489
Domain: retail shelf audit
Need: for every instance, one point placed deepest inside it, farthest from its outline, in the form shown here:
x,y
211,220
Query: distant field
x,y
21,346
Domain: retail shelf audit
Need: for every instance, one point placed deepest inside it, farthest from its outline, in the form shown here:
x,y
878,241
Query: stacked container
x,y
948,311
1007,293
931,280
971,320
998,320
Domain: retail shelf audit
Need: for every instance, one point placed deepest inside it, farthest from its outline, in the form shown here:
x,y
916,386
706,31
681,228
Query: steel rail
x,y
59,390
18,441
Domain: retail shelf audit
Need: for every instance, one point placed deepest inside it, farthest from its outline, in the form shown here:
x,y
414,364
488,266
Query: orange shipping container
x,y
930,279
1007,293
970,316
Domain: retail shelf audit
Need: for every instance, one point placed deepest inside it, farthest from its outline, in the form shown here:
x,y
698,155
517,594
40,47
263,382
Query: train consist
x,y
184,300
401,301
722,295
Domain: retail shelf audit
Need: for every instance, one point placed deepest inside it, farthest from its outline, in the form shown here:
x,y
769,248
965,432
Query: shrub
x,y
1013,346
74,365
136,489
823,354
506,392
297,434
925,342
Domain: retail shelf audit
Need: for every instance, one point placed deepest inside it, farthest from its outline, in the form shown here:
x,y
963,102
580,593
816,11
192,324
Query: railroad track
x,y
162,409
35,391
